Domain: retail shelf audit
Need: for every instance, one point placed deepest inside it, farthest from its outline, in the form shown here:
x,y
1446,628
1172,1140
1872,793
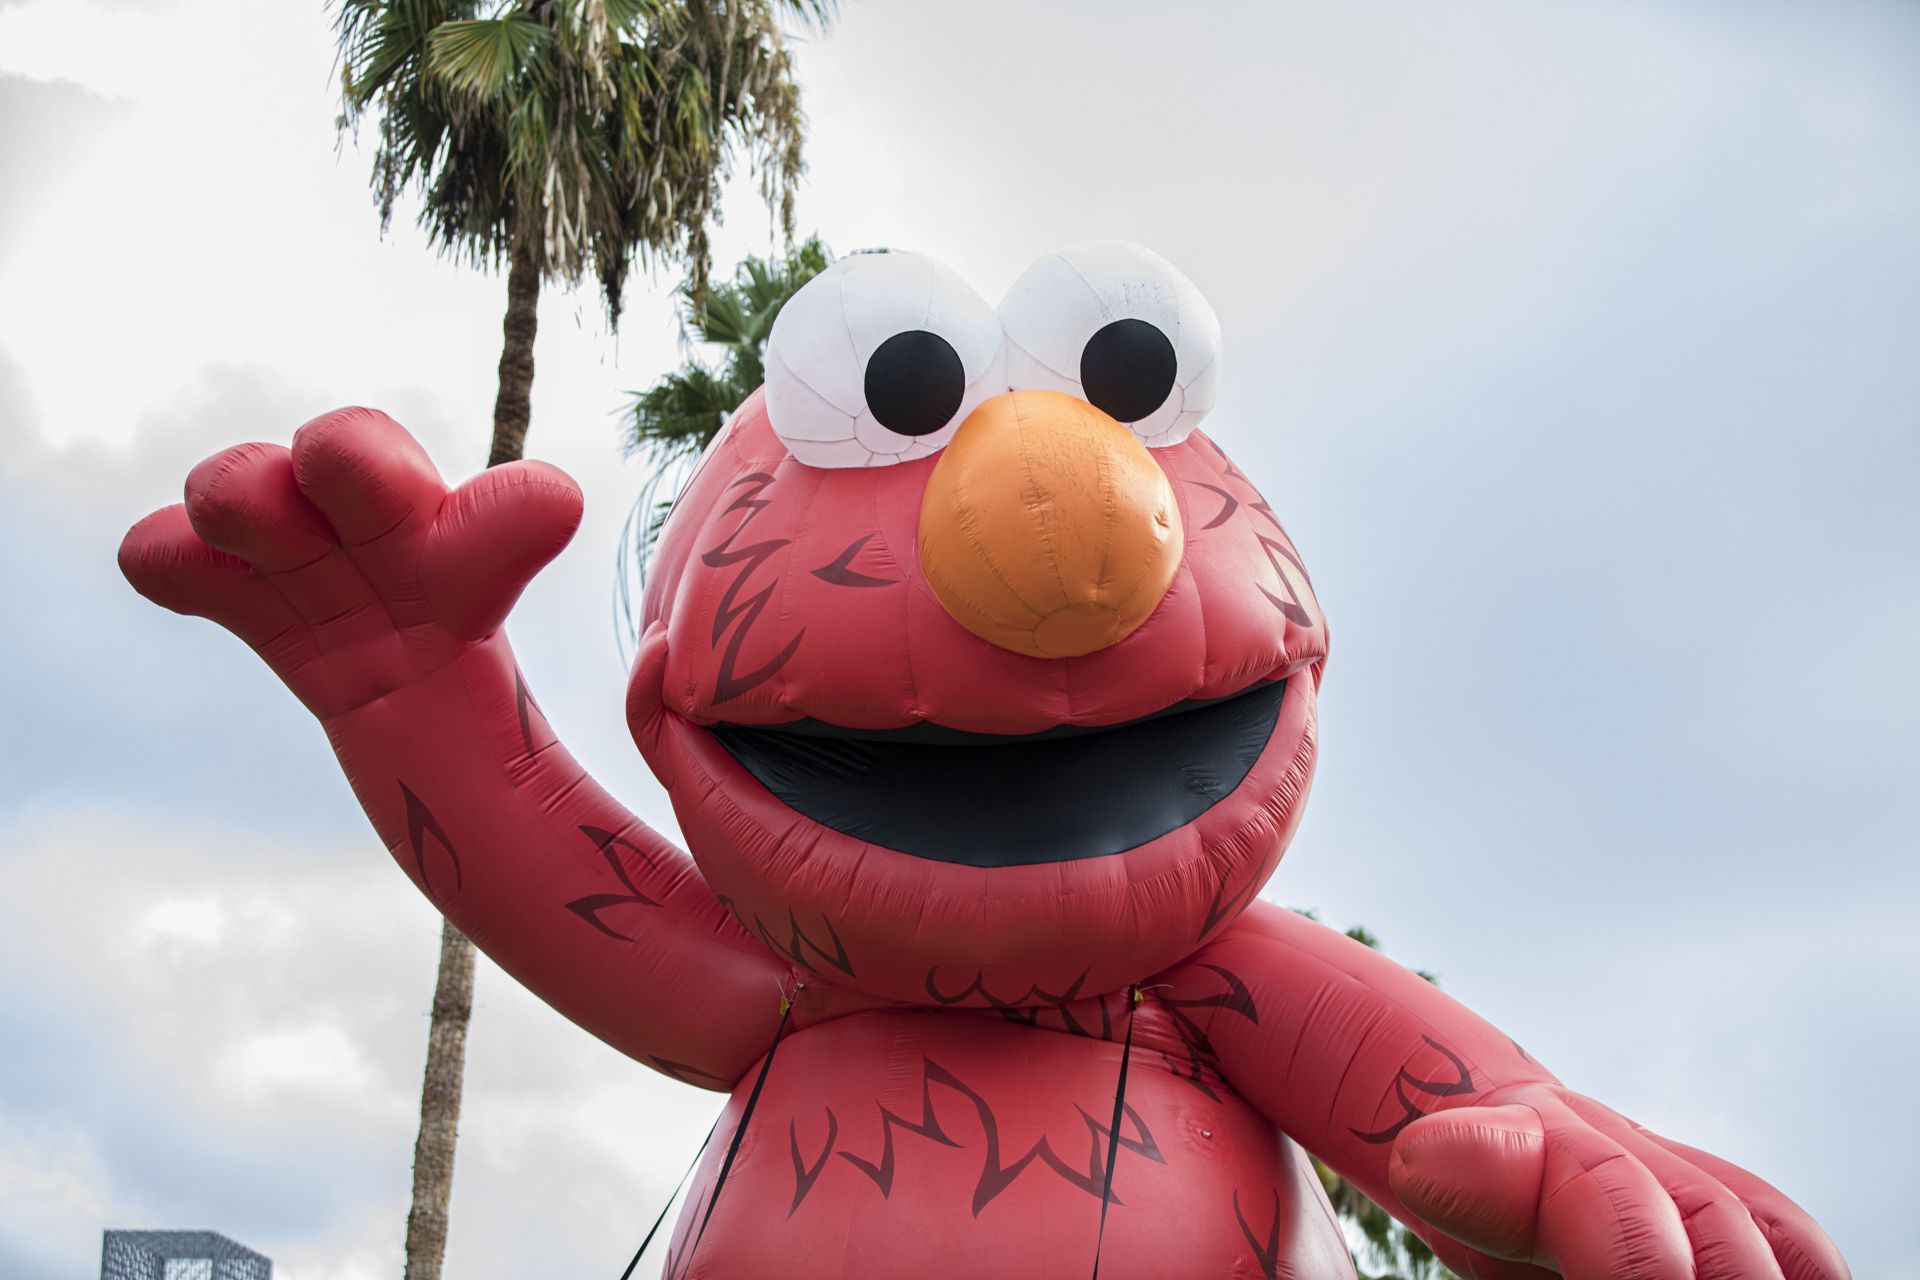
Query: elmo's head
x,y
976,674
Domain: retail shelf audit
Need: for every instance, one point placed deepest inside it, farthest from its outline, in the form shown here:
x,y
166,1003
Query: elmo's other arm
x,y
1453,1128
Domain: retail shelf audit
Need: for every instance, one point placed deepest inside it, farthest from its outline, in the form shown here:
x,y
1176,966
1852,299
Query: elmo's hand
x,y
345,562
377,594
1537,1176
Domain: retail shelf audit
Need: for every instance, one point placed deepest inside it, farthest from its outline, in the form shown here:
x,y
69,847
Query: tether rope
x,y
654,1229
1113,1130
733,1147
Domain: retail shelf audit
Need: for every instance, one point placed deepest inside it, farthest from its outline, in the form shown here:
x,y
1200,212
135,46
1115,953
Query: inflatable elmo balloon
x,y
983,685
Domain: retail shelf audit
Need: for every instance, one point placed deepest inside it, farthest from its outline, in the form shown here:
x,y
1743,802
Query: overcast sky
x,y
1578,344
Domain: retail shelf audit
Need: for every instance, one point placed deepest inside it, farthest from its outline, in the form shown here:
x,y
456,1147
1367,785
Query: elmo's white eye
x,y
1118,326
878,359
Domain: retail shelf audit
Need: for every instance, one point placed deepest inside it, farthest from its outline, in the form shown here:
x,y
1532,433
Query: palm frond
x,y
672,422
483,58
630,17
595,134
812,14
682,411
723,318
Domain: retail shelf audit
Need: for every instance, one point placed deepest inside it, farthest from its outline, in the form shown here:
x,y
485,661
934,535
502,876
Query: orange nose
x,y
1047,528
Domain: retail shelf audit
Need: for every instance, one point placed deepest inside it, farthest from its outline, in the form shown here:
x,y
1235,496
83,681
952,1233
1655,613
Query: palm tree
x,y
561,139
1384,1242
673,421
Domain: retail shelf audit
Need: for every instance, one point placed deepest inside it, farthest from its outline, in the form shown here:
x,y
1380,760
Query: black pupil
x,y
1127,370
915,383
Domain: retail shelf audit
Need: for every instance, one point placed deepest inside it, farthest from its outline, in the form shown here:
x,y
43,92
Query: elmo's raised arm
x,y
377,595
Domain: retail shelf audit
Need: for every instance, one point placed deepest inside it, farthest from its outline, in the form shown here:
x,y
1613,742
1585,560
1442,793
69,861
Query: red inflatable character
x,y
983,687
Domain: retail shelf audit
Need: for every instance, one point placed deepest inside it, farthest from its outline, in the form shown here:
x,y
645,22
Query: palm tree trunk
x,y
453,988
440,1106
514,404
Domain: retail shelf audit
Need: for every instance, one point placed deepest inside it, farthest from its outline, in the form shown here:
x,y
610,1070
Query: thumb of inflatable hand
x,y
1475,1174
1517,1184
490,537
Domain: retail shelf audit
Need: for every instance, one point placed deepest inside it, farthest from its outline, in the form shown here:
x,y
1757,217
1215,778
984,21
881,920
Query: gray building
x,y
179,1255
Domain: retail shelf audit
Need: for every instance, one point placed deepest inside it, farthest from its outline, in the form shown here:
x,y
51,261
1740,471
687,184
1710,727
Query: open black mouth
x,y
988,800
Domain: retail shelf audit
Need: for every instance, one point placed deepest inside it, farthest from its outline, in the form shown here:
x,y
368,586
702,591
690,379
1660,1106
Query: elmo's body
x,y
896,1144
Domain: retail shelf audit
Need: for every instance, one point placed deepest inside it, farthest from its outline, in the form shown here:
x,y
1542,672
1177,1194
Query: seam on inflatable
x,y
969,523
851,414
1044,364
271,574
1188,533
784,674
828,402
926,304
410,514
916,703
1198,374
1635,1269
853,347
1109,517
347,612
1360,1042
279,635
1782,1244
1689,1215
1106,312
1050,549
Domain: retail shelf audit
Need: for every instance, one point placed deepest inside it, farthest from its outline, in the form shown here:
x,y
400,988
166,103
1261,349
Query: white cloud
x,y
286,1066
53,1182
197,922
267,1036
